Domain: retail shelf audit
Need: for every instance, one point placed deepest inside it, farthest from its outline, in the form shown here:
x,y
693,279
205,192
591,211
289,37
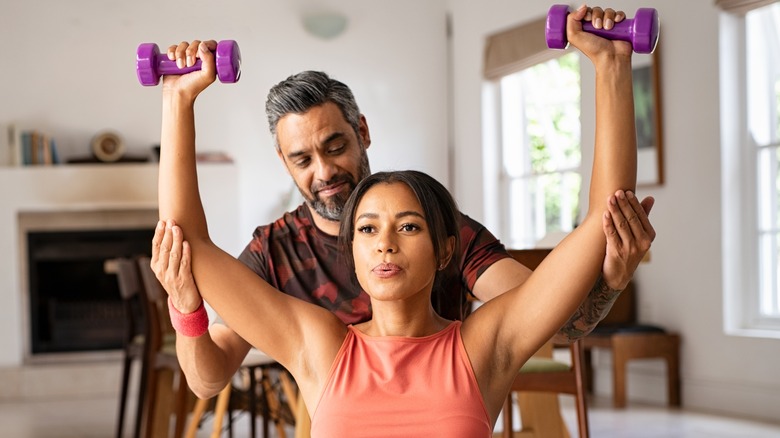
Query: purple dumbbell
x,y
641,31
150,65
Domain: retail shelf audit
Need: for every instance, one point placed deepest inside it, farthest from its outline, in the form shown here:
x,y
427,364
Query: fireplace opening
x,y
74,305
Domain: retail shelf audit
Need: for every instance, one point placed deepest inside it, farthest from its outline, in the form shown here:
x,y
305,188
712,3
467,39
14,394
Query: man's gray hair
x,y
300,92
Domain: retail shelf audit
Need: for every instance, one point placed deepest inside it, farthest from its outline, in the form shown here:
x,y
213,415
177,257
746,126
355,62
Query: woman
x,y
407,371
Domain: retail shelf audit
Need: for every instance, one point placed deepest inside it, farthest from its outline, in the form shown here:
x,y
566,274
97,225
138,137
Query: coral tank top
x,y
383,387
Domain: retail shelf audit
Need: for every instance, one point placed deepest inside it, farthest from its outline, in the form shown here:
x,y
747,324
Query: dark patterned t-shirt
x,y
294,256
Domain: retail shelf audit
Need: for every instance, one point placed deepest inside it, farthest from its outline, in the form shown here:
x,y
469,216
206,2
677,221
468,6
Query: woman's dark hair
x,y
439,208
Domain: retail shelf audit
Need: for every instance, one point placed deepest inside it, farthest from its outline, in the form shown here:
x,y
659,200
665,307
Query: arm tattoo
x,y
592,310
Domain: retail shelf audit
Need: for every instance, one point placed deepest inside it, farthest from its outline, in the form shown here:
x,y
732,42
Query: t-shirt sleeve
x,y
479,250
254,255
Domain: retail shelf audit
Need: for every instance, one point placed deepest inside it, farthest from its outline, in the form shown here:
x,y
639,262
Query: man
x,y
321,139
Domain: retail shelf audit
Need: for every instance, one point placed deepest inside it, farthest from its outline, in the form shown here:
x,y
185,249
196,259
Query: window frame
x,y
740,188
496,181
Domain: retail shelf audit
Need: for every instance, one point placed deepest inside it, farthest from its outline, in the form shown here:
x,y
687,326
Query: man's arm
x,y
629,236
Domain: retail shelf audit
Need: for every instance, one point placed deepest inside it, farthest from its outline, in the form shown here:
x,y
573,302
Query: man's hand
x,y
171,265
629,236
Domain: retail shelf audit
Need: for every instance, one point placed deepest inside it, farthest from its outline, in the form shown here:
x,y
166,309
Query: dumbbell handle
x,y
620,31
167,67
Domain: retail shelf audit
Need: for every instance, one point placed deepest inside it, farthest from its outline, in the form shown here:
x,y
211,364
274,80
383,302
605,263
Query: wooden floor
x,y
95,418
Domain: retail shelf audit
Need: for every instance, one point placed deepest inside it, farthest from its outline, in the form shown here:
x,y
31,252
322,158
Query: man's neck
x,y
325,225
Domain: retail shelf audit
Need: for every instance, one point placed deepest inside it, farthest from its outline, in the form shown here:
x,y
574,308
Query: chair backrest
x,y
129,286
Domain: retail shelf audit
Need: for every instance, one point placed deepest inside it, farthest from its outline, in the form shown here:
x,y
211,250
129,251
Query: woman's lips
x,y
386,270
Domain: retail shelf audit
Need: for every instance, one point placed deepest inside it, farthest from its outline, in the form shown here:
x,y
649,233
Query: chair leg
x,y
182,392
220,410
618,378
140,403
507,413
273,404
159,401
252,393
149,402
577,353
302,420
197,416
540,413
288,388
673,371
123,396
587,367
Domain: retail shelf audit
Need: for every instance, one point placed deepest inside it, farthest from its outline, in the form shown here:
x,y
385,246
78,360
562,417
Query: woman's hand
x,y
594,46
185,54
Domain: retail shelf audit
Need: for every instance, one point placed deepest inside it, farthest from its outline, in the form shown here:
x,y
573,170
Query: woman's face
x,y
392,246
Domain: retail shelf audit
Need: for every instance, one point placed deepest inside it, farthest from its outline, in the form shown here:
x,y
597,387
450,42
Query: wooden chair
x,y
258,393
134,341
164,376
627,339
541,414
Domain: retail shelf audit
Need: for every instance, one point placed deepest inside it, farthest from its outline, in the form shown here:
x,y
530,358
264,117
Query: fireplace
x,y
74,305
72,309
82,199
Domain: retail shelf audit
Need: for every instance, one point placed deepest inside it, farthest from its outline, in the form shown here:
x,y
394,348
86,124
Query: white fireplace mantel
x,y
88,190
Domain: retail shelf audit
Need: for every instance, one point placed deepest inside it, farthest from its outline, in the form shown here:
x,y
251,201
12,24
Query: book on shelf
x,y
31,147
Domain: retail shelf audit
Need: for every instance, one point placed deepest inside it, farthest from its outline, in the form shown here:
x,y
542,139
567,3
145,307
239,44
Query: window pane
x,y
763,100
540,150
542,205
769,189
540,110
777,108
763,84
769,304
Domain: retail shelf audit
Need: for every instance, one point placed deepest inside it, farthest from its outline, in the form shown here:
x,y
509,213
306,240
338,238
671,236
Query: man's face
x,y
324,156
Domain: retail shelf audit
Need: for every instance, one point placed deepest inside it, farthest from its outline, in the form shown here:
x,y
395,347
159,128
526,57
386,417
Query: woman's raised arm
x,y
515,324
268,319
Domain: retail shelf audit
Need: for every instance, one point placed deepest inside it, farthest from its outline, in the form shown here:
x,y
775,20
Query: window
x,y
763,87
539,151
750,115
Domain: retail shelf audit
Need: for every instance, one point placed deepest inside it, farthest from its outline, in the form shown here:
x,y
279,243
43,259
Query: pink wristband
x,y
193,324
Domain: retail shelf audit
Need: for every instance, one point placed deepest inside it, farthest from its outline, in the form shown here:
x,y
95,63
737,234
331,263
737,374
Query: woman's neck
x,y
402,319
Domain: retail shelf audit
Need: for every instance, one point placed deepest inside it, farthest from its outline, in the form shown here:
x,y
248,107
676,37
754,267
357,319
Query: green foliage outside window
x,y
558,116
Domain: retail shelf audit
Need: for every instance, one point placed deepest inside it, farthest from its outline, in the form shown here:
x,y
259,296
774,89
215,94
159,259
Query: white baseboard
x,y
646,383
731,398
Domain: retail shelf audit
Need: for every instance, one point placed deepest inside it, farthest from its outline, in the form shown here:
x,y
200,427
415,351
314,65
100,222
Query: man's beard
x,y
332,208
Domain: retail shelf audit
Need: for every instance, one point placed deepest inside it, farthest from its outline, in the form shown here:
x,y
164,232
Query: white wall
x,y
69,70
681,288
